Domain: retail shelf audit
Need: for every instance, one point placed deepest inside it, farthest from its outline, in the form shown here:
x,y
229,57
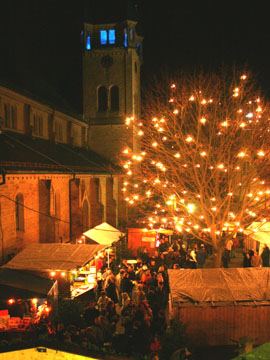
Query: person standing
x,y
228,247
265,256
201,257
225,258
256,260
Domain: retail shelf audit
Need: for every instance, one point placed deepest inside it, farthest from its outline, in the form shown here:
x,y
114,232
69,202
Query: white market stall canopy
x,y
104,234
259,231
51,256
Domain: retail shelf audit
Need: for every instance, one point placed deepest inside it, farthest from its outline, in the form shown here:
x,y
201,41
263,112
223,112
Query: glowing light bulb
x,y
203,120
241,154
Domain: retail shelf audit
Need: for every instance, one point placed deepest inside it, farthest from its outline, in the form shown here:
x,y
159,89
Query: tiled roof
x,y
23,153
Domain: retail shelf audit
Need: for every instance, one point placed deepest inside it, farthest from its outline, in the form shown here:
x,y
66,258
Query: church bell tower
x,y
112,58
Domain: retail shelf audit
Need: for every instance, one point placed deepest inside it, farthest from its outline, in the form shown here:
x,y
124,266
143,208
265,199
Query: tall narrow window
x,y
114,98
139,50
35,124
85,216
19,212
131,34
13,117
88,41
40,125
6,115
102,99
125,37
103,37
112,36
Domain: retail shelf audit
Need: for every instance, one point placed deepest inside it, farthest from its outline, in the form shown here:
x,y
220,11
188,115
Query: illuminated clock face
x,y
106,61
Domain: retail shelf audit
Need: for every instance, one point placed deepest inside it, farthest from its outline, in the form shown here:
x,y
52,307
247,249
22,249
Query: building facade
x,y
52,187
58,171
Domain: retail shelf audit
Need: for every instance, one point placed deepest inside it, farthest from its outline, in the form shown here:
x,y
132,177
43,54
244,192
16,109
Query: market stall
x,y
144,238
257,235
74,266
103,234
24,298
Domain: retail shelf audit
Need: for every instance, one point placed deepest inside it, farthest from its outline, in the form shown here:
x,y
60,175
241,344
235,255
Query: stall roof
x,y
20,284
104,234
46,257
219,285
259,231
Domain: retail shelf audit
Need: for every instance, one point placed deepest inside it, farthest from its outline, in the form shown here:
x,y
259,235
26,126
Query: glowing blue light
x,y
103,37
125,39
88,42
112,36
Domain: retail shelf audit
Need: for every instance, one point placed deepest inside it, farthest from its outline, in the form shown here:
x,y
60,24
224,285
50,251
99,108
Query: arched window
x,y
102,99
114,93
19,212
85,216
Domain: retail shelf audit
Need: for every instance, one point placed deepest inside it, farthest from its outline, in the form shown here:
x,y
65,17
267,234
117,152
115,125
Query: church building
x,y
59,172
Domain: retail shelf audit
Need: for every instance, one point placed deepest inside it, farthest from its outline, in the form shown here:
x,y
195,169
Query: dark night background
x,y
41,43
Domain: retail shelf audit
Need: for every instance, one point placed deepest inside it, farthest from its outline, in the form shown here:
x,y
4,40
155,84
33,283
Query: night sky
x,y
41,47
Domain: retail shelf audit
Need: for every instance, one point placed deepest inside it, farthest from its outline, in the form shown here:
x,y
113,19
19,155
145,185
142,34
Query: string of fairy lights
x,y
204,160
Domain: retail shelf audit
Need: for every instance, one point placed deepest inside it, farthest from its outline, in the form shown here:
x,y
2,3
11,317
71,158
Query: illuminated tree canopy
x,y
204,157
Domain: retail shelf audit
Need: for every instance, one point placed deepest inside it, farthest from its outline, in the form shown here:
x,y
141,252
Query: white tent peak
x,y
104,234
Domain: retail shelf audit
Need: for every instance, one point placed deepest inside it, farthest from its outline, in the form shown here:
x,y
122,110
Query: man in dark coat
x,y
265,256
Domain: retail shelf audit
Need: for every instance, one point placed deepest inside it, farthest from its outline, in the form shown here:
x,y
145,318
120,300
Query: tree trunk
x,y
218,256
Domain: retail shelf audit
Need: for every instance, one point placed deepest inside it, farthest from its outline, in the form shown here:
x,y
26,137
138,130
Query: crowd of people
x,y
129,310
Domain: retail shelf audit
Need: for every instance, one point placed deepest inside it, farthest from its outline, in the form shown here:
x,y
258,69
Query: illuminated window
x,y
19,212
112,36
102,99
114,94
88,41
103,37
125,37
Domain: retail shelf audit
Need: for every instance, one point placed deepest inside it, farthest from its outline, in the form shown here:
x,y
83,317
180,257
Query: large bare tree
x,y
204,157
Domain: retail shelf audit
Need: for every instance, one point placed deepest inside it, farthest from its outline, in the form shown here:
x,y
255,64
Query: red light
x,y
11,301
